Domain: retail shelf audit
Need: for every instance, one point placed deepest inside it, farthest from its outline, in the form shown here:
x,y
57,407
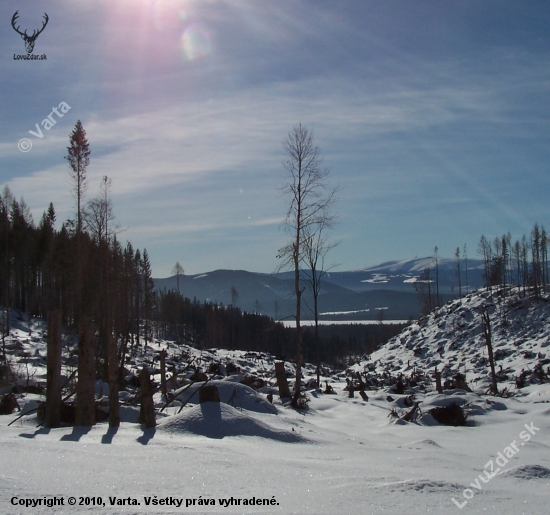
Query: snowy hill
x,y
452,339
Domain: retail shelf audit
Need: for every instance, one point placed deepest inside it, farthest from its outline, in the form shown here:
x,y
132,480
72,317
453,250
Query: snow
x,y
341,456
377,279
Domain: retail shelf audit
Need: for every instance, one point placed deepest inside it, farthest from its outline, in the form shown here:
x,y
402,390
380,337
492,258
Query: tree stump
x,y
53,371
438,386
282,383
209,394
147,409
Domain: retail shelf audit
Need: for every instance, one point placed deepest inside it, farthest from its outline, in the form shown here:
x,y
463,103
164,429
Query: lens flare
x,y
196,42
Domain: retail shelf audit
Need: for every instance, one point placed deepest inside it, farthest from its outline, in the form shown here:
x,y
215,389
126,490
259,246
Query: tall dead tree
x,y
309,202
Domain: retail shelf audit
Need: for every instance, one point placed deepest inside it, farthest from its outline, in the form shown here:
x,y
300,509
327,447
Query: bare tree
x,y
234,297
316,247
457,255
309,204
436,261
98,214
465,255
423,286
486,321
177,271
484,249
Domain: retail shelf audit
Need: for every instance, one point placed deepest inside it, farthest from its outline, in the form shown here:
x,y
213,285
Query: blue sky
x,y
432,115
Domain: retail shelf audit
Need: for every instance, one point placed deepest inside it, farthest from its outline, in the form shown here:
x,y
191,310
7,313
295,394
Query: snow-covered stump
x,y
85,391
53,370
147,409
282,383
209,393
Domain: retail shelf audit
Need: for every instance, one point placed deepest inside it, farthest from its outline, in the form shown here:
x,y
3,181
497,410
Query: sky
x,y
432,116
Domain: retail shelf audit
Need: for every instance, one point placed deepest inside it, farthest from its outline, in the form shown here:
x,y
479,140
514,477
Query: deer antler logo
x,y
29,40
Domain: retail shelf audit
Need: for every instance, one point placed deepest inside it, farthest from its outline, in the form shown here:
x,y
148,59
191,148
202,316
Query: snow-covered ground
x,y
343,455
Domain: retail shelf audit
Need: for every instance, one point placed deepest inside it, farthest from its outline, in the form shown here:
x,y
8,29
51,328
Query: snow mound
x,y
240,395
528,472
218,420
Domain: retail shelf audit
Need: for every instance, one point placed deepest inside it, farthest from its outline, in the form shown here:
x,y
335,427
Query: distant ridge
x,y
387,285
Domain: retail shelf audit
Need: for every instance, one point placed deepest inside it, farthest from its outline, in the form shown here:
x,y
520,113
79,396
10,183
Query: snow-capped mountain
x,y
360,292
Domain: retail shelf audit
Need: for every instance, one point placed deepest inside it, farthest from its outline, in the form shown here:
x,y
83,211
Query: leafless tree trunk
x,y
316,248
309,202
284,391
457,255
436,261
177,271
112,375
53,391
163,387
488,339
438,386
85,398
147,410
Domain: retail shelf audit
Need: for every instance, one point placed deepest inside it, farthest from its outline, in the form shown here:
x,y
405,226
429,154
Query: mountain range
x,y
348,295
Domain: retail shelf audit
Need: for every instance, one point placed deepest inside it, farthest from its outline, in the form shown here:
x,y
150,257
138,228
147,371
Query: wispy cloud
x,y
420,119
